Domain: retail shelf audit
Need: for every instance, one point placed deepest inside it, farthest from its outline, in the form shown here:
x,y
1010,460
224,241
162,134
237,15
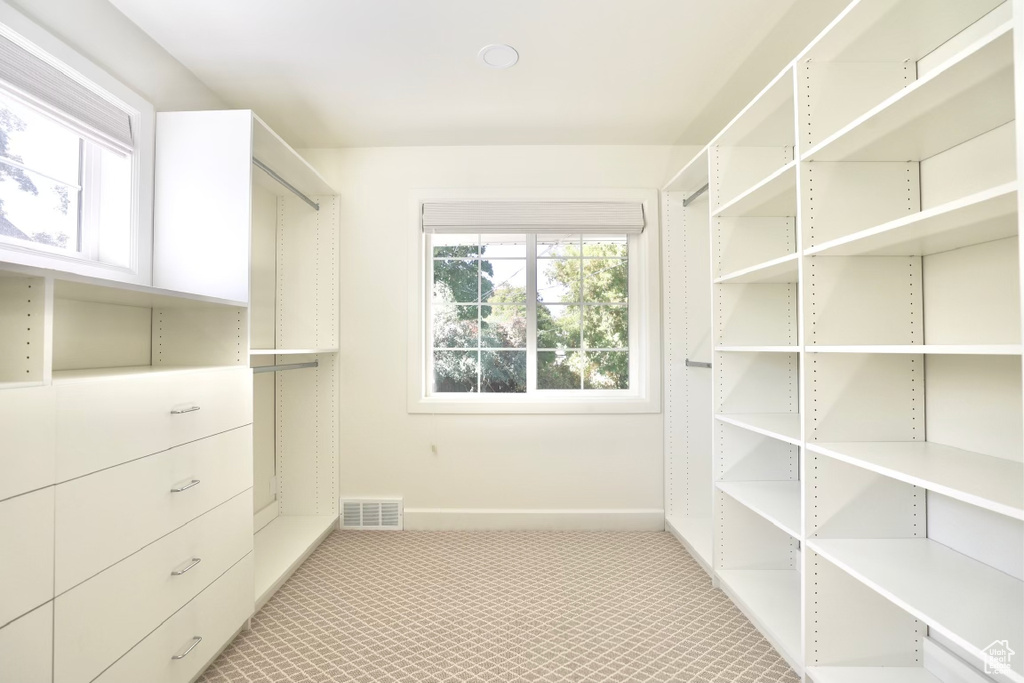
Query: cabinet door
x,y
26,648
26,553
27,431
203,203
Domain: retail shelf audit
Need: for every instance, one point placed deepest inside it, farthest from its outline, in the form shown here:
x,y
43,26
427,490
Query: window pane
x,y
455,371
115,207
503,281
503,246
605,246
503,372
455,326
559,370
36,209
606,327
38,142
454,246
504,327
606,370
456,281
558,280
605,281
558,327
558,246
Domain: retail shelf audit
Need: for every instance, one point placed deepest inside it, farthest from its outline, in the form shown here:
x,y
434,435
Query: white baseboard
x,y
485,519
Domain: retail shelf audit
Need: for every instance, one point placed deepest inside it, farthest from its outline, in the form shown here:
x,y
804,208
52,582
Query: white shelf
x,y
983,480
780,270
758,349
767,121
965,97
695,533
870,674
781,426
934,349
967,601
771,600
776,501
692,176
92,374
981,217
273,151
288,352
773,196
283,545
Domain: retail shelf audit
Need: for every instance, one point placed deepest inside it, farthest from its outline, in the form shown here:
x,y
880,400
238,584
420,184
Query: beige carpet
x,y
499,606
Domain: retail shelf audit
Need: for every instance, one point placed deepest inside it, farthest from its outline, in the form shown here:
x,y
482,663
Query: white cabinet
x,y
26,648
28,428
26,563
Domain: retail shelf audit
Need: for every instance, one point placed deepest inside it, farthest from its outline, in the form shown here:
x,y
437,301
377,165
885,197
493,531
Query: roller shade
x,y
42,81
533,217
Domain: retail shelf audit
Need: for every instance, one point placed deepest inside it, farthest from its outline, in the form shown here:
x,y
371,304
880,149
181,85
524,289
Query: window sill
x,y
480,404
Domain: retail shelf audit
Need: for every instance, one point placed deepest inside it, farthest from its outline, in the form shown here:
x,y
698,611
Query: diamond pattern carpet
x,y
500,606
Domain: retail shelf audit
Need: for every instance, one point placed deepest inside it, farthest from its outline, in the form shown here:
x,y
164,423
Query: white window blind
x,y
495,217
50,86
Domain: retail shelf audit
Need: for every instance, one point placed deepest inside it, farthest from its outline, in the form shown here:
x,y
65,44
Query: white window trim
x,y
143,118
644,395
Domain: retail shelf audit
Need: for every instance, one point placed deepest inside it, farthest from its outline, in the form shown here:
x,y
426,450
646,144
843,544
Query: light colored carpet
x,y
500,606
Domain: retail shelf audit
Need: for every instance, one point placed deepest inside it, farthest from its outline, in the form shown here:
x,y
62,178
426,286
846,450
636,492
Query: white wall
x,y
98,31
484,462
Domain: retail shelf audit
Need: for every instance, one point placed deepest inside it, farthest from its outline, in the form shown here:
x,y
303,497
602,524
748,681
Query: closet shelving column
x,y
912,381
754,262
687,316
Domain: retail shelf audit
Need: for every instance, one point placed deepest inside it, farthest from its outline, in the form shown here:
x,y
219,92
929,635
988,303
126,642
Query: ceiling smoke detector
x,y
498,56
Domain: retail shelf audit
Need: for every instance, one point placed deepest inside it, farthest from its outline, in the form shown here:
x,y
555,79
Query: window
x,y
535,306
75,160
524,313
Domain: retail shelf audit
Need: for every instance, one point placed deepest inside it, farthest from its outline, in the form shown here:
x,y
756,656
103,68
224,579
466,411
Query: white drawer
x,y
27,439
100,620
26,648
105,422
106,516
215,615
26,553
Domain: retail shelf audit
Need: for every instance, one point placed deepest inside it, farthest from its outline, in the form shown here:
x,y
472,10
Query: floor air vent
x,y
378,514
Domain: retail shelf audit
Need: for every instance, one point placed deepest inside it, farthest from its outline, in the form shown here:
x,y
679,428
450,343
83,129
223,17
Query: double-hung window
x,y
534,303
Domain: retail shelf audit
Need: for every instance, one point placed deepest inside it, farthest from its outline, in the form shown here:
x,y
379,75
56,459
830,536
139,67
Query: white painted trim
x,y
647,396
484,519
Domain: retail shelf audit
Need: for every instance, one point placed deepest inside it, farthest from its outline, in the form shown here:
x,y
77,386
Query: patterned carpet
x,y
499,606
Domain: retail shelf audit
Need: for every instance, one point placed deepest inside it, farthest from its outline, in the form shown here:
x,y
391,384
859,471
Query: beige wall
x,y
491,462
98,31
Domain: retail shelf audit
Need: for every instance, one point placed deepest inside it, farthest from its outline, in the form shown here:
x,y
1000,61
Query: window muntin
x,y
61,191
486,336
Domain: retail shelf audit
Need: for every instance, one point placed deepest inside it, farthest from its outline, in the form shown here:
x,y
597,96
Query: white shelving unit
x,y
866,410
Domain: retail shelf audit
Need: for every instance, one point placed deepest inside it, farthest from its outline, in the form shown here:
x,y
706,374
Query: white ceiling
x,y
331,73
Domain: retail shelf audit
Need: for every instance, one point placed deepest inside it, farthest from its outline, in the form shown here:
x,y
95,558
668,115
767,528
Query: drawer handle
x,y
194,562
182,411
195,641
186,487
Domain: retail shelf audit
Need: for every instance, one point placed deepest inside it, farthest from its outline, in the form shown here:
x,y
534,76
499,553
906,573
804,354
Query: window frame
x,y
20,29
644,394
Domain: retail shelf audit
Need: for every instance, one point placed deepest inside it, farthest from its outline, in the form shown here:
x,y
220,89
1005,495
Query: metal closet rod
x,y
282,368
270,172
689,200
697,364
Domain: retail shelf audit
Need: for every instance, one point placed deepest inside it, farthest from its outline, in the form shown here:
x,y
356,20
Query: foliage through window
x,y
60,190
525,313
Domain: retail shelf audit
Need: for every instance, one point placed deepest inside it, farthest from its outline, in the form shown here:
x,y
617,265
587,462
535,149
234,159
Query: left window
x,y
75,160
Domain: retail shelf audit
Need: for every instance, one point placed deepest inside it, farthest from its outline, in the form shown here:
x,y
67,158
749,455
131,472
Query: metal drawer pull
x,y
186,487
195,641
182,411
194,562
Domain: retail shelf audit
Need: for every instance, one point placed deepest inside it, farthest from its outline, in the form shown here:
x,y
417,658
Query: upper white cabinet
x,y
206,165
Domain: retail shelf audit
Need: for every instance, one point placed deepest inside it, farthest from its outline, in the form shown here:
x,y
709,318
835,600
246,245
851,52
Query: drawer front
x,y
100,620
103,518
214,615
26,553
27,439
26,648
106,422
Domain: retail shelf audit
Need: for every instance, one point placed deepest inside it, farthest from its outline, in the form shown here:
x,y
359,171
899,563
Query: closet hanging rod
x,y
270,172
689,200
288,366
697,364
